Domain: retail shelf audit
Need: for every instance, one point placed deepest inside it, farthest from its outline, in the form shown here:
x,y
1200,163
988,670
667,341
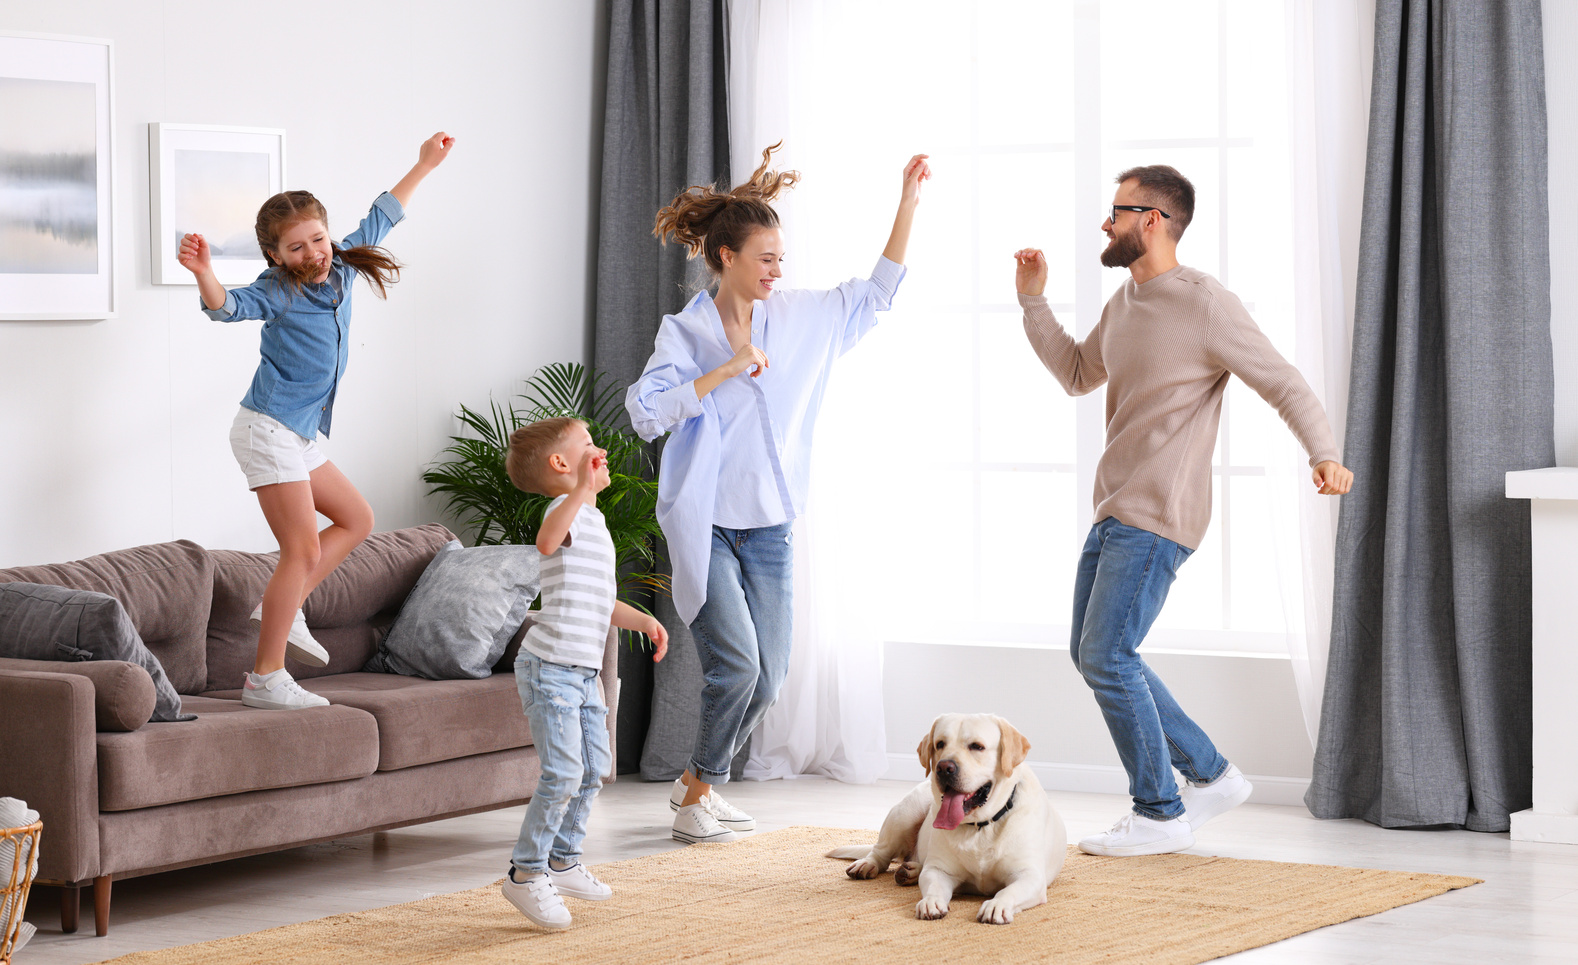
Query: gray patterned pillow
x,y
461,613
40,622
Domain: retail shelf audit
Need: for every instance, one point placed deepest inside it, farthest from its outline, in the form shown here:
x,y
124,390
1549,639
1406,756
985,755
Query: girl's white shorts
x,y
269,452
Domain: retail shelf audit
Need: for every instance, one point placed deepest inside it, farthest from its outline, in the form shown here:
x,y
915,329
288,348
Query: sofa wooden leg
x,y
70,904
101,905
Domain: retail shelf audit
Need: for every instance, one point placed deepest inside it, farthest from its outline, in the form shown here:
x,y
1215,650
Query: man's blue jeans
x,y
569,728
743,633
1122,582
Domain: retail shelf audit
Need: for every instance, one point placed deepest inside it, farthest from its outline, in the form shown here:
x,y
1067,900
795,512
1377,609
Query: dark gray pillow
x,y
461,613
39,622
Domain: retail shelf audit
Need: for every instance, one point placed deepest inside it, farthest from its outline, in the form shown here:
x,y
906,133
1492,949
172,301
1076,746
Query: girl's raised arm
x,y
914,173
195,257
432,154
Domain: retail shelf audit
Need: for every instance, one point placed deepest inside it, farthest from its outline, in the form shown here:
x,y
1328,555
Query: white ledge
x,y
1560,482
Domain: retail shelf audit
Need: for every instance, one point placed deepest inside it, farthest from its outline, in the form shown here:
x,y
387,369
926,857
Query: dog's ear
x,y
927,749
1012,747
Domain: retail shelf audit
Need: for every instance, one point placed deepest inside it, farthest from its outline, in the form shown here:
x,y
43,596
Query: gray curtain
x,y
1426,717
665,127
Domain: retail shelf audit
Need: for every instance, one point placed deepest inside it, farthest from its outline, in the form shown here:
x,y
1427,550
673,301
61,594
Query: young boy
x,y
556,670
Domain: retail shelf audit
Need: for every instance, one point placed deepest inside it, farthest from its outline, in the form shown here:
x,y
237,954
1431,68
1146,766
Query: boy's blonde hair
x,y
530,447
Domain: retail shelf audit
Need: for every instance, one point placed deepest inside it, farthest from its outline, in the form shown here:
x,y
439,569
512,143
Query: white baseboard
x,y
1110,779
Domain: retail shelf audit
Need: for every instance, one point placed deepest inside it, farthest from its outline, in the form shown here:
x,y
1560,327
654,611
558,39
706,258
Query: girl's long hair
x,y
288,208
704,219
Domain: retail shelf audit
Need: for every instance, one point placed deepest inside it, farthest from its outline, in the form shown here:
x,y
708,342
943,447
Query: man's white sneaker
x,y
536,899
277,691
694,824
300,643
726,814
1136,834
1202,802
577,881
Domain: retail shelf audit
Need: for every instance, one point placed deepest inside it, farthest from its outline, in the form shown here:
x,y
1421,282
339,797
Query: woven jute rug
x,y
773,897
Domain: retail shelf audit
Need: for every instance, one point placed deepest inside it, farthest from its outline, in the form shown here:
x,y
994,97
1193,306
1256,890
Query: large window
x,y
945,444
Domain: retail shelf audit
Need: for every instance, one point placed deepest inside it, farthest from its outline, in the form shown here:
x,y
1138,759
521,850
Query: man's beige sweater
x,y
1165,350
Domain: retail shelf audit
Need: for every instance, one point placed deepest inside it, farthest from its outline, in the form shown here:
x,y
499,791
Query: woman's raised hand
x,y
916,171
434,150
748,359
194,255
1030,273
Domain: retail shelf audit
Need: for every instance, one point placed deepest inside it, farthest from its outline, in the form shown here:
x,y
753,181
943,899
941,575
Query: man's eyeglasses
x,y
1113,214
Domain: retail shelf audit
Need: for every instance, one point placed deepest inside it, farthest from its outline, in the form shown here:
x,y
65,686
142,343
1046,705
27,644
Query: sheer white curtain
x,y
1330,46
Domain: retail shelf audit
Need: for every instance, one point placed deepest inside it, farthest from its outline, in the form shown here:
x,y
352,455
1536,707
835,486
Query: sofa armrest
x,y
609,675
51,762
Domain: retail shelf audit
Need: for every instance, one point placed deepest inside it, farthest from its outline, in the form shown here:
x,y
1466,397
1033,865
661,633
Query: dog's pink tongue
x,y
951,813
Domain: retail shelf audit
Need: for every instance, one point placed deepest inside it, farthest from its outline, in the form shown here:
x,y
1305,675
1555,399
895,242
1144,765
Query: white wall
x,y
1561,108
113,433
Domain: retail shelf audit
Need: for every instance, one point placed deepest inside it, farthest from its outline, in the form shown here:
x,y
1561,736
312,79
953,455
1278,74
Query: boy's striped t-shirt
x,y
578,592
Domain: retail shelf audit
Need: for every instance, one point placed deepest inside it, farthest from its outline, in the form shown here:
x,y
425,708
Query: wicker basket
x,y
17,879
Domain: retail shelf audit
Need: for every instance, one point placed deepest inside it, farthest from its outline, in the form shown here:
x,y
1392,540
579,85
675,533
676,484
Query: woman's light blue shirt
x,y
741,457
306,334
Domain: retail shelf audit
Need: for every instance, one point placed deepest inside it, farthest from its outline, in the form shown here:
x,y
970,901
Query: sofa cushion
x,y
229,749
422,721
39,622
461,614
122,692
347,612
165,588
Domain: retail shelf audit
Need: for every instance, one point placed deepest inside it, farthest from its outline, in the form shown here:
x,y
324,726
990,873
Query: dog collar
x,y
999,815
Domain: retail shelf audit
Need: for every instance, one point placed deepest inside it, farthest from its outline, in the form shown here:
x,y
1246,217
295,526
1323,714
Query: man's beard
x,y
1124,250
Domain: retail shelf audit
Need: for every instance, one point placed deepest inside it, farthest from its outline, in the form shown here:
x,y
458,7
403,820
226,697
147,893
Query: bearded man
x,y
1167,342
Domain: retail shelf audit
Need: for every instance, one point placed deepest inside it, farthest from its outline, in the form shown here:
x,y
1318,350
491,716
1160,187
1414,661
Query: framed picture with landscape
x,y
57,178
211,181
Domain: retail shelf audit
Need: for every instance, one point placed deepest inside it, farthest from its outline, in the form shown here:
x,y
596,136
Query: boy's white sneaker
x,y
536,899
694,824
299,643
726,814
277,691
1135,834
1202,802
577,881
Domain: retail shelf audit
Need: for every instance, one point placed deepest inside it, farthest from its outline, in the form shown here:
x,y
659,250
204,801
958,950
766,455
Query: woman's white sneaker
x,y
536,898
577,881
725,813
277,691
694,824
1135,834
300,643
1202,802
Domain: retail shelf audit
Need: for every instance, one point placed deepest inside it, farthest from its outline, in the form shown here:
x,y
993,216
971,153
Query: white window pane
x,y
1257,579
1026,417
1025,56
1029,546
1255,87
1026,202
1139,37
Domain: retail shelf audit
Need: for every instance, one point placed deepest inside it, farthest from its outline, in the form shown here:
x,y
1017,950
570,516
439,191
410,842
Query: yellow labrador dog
x,y
980,823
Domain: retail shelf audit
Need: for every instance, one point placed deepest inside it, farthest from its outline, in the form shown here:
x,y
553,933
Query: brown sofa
x,y
389,751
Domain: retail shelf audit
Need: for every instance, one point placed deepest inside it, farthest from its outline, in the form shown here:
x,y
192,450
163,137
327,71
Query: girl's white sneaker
x,y
536,899
694,824
300,644
277,691
577,881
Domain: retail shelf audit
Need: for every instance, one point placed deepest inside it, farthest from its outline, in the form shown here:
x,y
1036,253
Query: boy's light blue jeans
x,y
1123,578
743,634
569,727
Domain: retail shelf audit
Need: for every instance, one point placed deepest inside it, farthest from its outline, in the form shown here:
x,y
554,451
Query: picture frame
x,y
57,178
210,180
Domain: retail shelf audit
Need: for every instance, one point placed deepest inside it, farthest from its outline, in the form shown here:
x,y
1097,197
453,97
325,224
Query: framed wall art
x,y
211,181
57,177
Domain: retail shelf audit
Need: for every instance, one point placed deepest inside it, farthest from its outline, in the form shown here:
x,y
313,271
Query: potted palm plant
x,y
479,494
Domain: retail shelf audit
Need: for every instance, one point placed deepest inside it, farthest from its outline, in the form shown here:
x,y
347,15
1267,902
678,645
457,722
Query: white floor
x,y
1525,912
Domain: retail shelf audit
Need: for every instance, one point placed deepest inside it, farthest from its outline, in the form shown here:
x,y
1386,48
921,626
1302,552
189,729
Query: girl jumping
x,y
304,300
738,378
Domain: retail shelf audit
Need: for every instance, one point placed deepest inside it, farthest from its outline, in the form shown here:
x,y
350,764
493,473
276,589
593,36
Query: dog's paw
x,y
994,912
931,909
864,868
908,873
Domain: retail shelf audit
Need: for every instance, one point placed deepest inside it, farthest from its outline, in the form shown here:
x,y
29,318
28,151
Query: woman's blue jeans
x,y
743,634
569,727
1123,578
